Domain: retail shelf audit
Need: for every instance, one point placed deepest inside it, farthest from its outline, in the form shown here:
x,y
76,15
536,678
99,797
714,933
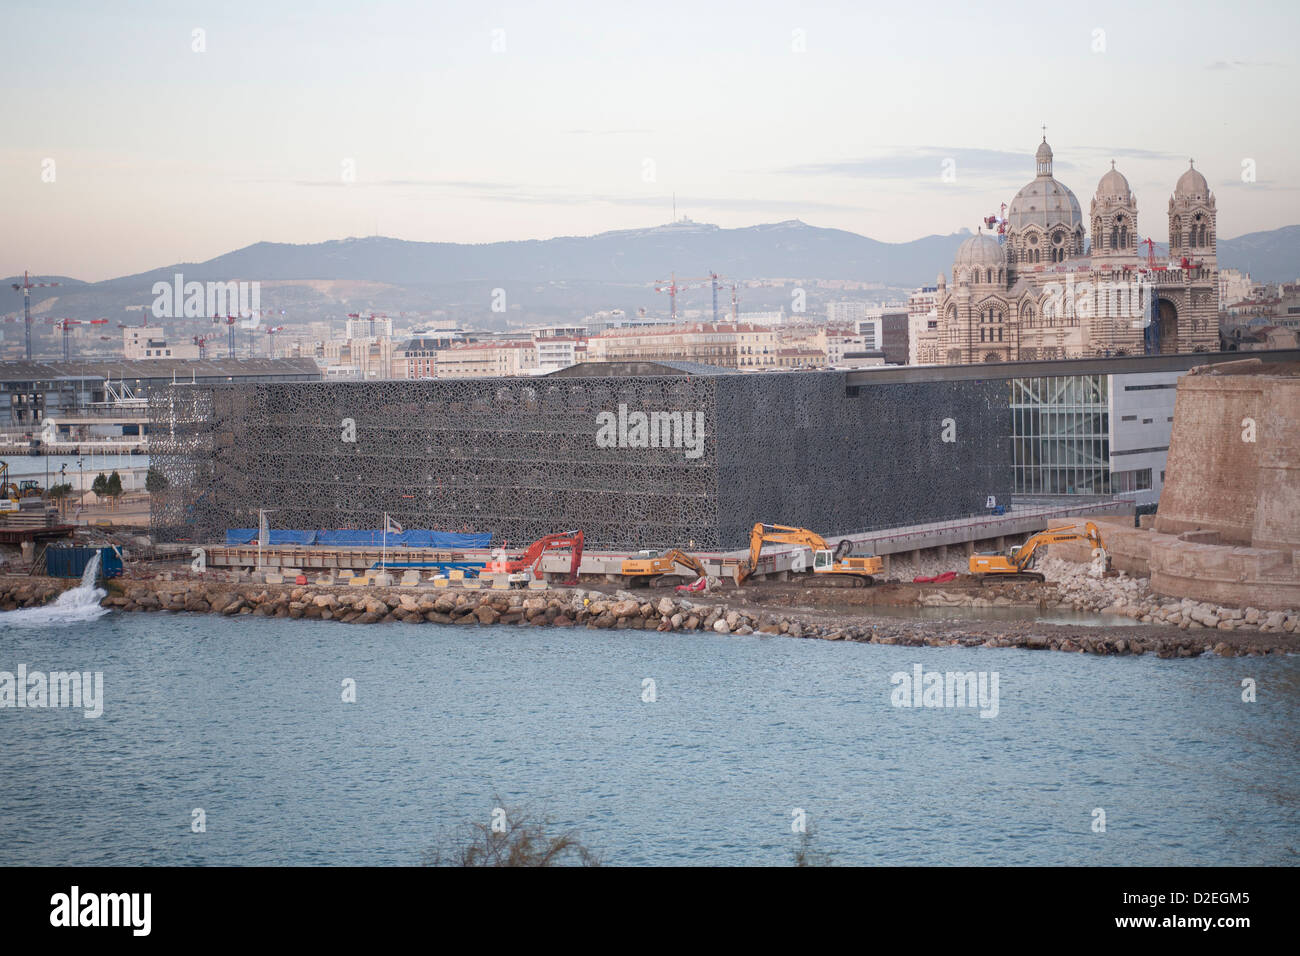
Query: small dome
x,y
982,251
1044,154
1114,186
1192,185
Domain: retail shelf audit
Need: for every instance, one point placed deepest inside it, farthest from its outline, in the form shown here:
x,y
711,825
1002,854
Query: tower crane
x,y
26,286
674,285
65,326
270,339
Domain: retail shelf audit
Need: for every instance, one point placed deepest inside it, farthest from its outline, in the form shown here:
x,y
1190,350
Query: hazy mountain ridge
x,y
608,270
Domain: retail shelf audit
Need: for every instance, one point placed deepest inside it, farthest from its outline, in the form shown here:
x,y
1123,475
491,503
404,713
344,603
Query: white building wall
x,y
1141,423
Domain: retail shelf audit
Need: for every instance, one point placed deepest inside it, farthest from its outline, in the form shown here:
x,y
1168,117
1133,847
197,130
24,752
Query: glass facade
x,y
1061,435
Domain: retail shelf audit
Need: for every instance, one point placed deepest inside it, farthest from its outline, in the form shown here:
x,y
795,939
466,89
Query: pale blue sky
x,y
163,154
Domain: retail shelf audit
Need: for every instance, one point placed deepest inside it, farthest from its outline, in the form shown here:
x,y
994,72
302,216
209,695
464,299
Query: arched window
x,y
1114,237
1123,237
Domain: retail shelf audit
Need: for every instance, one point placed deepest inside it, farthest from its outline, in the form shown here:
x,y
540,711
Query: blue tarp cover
x,y
362,539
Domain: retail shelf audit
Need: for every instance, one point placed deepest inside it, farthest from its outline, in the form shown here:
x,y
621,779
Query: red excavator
x,y
530,559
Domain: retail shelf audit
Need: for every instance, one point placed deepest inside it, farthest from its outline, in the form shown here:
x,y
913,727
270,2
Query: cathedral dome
x,y
1114,186
1192,185
1044,202
982,251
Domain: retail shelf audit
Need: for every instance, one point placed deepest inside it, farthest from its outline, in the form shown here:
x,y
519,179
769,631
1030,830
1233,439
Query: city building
x,y
142,342
1038,290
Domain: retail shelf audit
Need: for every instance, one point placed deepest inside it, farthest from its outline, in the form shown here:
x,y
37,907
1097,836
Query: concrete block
x,y
537,584
410,578
471,583
441,582
456,574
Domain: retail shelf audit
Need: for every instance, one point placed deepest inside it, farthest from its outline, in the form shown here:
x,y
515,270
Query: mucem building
x,y
637,455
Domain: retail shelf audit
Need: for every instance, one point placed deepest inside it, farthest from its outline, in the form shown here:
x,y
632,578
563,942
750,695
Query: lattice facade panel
x,y
520,458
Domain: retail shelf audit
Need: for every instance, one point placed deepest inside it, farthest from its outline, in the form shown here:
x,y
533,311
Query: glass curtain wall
x,y
1060,435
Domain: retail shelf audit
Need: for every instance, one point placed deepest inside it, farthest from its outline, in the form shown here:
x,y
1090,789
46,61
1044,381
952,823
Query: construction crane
x,y
202,342
835,568
525,566
674,285
660,568
1151,255
270,339
1014,564
26,287
371,317
65,326
997,223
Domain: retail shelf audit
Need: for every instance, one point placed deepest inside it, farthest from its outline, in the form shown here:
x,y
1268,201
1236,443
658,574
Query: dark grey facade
x,y
521,458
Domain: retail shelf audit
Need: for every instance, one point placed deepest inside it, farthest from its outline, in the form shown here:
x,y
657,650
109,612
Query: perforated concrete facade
x,y
525,457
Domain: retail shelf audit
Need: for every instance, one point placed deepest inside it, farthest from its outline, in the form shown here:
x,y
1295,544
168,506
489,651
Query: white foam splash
x,y
78,605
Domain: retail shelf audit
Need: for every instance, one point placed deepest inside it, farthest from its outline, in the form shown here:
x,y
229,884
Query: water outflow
x,y
75,606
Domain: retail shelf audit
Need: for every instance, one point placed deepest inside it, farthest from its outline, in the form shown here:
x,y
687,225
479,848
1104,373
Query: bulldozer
x,y
1014,565
833,568
662,568
16,491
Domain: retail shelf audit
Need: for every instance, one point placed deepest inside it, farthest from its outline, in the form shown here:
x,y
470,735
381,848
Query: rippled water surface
x,y
243,718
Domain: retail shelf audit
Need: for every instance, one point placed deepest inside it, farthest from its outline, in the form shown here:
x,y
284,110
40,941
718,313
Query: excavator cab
x,y
823,560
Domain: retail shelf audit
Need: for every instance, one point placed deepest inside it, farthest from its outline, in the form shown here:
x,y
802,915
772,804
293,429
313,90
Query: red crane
x,y
371,317
270,339
1151,255
26,286
570,540
674,285
65,326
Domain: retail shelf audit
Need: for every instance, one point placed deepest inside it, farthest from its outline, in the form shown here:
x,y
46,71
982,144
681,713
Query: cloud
x,y
525,194
1114,152
604,132
1239,64
924,163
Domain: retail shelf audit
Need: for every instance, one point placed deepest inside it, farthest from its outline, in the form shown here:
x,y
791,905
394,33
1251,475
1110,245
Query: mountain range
x,y
558,277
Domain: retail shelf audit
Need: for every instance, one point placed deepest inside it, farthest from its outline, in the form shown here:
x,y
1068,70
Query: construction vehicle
x,y
835,568
15,491
1014,565
661,568
524,568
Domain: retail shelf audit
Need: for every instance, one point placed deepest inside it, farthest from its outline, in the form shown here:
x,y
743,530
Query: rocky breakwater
x,y
21,592
1081,588
626,610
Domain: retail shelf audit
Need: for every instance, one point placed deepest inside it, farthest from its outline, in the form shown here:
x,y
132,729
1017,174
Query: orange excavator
x,y
1014,565
833,567
525,566
661,568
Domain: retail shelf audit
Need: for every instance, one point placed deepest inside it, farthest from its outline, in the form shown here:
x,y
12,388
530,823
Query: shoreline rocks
x,y
627,610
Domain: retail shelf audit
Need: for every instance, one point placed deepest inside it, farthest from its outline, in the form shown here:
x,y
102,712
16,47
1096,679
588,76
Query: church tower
x,y
1192,221
1114,223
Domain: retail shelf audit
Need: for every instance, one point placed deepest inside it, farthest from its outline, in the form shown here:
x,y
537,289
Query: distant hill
x,y
1272,256
570,274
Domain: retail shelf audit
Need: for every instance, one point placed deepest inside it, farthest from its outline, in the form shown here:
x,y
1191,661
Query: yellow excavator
x,y
14,491
832,567
661,568
1014,564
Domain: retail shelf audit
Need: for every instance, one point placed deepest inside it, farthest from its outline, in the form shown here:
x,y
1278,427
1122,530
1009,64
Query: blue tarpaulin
x,y
363,539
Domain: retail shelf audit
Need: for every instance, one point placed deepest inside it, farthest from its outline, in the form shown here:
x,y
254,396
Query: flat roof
x,y
1053,368
158,369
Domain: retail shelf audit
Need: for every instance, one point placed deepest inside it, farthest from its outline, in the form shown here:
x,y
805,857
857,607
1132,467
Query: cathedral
x,y
1036,288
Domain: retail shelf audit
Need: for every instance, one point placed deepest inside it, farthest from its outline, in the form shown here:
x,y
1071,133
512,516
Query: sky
x,y
132,141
